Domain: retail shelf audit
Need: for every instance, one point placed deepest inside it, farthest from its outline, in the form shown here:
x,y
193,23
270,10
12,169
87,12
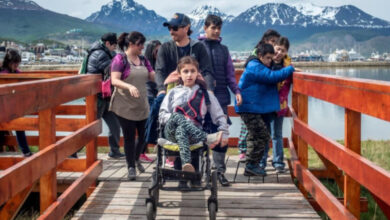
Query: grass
x,y
377,152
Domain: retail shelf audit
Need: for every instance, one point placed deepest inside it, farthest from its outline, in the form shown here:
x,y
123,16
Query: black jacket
x,y
167,59
100,57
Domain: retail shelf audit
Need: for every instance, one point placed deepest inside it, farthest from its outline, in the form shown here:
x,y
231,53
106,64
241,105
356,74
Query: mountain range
x,y
301,22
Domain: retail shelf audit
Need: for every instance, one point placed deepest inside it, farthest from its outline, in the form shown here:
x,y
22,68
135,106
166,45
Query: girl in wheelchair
x,y
183,111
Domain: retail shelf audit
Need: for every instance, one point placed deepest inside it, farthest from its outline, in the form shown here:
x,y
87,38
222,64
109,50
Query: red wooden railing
x,y
343,162
44,97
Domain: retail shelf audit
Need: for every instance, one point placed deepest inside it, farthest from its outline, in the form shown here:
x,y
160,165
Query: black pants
x,y
132,150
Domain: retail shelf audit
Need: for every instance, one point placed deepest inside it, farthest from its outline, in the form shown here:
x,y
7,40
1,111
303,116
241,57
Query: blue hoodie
x,y
258,88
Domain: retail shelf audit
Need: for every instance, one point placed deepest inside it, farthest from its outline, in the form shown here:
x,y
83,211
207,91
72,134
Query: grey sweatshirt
x,y
181,94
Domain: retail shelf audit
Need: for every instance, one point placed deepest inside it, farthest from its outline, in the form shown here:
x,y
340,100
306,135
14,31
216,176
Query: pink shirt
x,y
117,65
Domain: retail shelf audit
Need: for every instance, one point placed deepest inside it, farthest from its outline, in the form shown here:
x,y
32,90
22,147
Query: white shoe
x,y
214,139
188,167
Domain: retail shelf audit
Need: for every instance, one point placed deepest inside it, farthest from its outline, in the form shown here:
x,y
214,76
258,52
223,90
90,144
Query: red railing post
x,y
47,136
91,113
352,142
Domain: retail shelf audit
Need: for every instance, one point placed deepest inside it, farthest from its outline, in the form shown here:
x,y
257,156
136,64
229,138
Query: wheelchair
x,y
161,175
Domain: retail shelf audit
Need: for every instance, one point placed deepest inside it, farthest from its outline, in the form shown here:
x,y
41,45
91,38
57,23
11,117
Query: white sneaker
x,y
214,139
188,167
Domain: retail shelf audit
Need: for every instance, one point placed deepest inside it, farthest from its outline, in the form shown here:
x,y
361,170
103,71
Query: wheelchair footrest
x,y
170,174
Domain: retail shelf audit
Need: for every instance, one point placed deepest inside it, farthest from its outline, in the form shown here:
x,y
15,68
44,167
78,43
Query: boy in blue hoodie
x,y
258,85
224,75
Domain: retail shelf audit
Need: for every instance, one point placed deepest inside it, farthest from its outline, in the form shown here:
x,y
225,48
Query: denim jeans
x,y
275,125
22,142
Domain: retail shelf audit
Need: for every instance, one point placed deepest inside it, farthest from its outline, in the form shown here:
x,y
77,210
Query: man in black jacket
x,y
100,56
181,45
169,55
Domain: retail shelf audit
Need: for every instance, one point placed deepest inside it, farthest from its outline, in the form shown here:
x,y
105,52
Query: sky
x,y
166,8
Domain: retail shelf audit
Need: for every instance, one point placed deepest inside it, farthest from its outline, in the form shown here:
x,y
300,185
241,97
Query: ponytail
x,y
123,41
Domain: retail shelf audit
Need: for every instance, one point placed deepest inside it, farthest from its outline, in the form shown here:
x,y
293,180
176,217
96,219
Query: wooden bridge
x,y
35,101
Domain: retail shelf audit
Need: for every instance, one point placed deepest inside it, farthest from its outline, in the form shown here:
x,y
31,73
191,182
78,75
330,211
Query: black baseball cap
x,y
110,37
179,20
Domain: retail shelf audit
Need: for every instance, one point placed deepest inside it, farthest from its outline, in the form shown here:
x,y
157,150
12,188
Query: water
x,y
323,116
328,118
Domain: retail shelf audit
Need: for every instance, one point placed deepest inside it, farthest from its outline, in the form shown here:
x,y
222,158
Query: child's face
x,y
188,74
280,53
213,32
266,59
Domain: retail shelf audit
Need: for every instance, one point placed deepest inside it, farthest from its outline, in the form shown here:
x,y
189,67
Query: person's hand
x,y
239,99
224,142
298,70
161,92
133,91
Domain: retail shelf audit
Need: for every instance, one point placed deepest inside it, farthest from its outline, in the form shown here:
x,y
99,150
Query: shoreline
x,y
333,64
236,65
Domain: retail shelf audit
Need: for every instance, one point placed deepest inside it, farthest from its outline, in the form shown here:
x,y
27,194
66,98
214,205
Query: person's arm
x,y
117,69
205,67
262,74
150,70
166,108
161,69
231,78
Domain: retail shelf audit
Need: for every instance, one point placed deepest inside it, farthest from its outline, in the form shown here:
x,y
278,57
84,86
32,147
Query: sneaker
x,y
145,159
29,154
139,166
182,185
242,156
169,163
188,168
222,179
214,139
115,155
280,170
196,183
131,173
254,170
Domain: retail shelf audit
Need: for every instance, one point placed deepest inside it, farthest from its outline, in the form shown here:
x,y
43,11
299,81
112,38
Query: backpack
x,y
107,87
84,64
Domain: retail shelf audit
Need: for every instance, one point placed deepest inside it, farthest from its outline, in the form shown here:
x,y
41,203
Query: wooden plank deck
x,y
117,198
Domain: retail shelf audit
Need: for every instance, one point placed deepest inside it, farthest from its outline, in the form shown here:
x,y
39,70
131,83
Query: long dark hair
x,y
11,56
151,52
134,37
268,35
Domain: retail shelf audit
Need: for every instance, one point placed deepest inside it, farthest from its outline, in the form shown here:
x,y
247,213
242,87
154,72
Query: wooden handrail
x,y
357,96
44,94
44,97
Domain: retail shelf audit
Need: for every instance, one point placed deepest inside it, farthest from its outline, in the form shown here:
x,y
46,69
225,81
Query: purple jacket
x,y
223,69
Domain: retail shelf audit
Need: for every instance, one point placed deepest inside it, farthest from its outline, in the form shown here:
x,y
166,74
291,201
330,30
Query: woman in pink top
x,y
129,73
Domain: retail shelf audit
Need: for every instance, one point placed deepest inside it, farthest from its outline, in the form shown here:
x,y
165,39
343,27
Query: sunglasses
x,y
174,28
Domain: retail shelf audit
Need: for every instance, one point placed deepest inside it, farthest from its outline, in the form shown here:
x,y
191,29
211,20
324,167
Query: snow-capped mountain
x,y
128,15
20,5
308,14
199,15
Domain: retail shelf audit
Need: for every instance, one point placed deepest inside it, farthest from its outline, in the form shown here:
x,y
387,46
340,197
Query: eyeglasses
x,y
174,28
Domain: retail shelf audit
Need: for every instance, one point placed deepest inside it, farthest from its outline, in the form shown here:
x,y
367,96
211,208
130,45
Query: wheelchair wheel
x,y
155,192
214,184
212,210
150,211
